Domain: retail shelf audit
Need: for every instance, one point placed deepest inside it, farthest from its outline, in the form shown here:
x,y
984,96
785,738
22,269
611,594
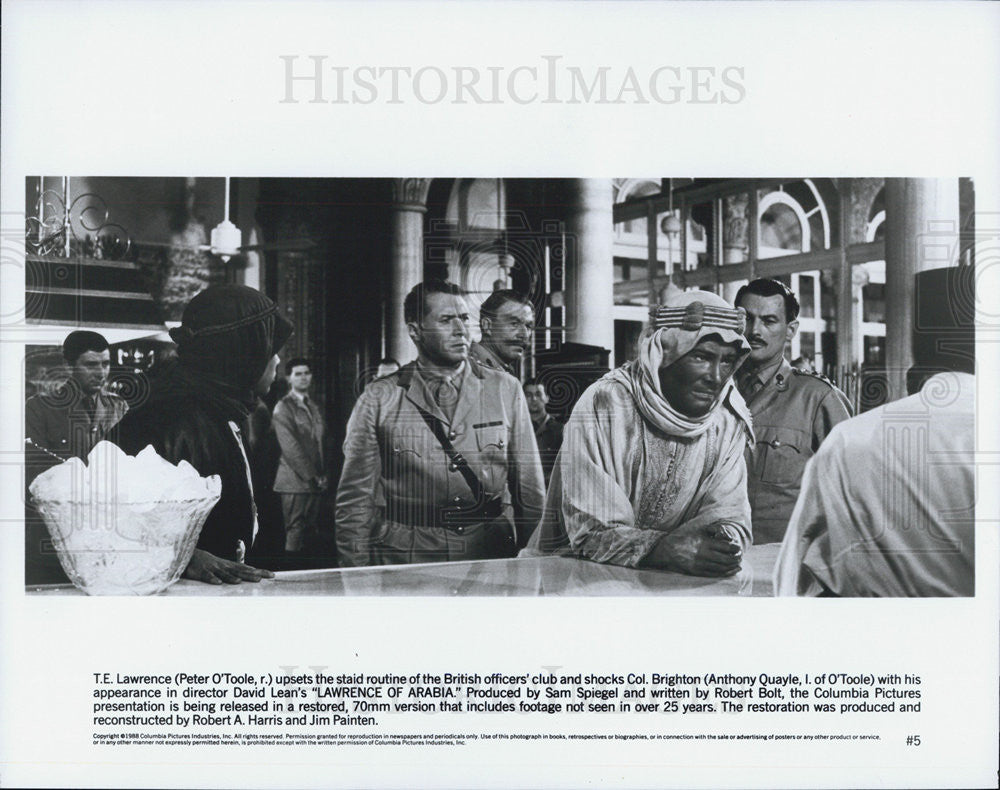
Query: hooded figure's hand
x,y
206,567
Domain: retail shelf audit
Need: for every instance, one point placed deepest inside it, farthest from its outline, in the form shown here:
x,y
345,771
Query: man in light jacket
x,y
301,479
440,460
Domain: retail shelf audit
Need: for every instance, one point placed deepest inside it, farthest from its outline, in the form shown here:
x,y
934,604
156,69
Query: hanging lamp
x,y
226,237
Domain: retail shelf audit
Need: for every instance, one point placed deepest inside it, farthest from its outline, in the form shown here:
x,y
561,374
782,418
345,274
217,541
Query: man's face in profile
x,y
692,384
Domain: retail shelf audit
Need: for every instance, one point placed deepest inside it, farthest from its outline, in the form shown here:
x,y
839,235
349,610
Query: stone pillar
x,y
406,264
735,226
589,281
921,233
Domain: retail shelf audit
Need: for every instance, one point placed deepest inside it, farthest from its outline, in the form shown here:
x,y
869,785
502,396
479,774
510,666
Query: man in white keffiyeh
x,y
651,472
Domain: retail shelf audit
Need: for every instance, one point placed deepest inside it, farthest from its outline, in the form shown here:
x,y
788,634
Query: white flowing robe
x,y
619,483
888,503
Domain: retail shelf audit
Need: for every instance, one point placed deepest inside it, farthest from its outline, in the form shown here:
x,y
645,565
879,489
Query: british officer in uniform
x,y
506,322
69,421
440,461
64,423
793,410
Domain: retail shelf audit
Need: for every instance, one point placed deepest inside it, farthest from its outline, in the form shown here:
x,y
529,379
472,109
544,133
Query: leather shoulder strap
x,y
437,428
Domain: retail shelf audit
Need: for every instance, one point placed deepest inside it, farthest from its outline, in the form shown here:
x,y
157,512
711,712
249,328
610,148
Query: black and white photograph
x,y
548,386
513,394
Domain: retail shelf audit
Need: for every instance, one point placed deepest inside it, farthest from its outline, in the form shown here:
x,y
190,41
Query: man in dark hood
x,y
198,410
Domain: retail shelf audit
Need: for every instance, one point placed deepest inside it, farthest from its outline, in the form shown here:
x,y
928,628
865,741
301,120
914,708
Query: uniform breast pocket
x,y
303,423
492,438
781,454
403,455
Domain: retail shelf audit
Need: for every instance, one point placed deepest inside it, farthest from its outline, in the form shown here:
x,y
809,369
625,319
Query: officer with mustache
x,y
506,321
793,410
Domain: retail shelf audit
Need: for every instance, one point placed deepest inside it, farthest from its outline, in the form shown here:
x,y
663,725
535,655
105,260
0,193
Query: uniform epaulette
x,y
481,368
815,375
402,376
478,365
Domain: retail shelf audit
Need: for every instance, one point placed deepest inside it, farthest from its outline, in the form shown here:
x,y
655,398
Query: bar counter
x,y
515,577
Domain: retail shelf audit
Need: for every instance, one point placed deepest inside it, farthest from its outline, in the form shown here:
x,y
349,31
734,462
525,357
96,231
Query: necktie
x,y
313,425
445,393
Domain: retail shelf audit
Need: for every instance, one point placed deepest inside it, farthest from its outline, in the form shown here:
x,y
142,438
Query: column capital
x,y
410,193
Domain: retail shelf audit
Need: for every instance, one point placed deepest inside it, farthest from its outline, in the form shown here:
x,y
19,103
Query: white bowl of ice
x,y
124,525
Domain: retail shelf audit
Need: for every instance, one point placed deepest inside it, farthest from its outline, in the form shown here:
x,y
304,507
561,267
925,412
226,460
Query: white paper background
x,y
178,88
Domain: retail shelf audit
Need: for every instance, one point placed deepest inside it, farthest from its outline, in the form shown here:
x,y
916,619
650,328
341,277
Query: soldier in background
x,y
74,417
793,410
301,479
548,430
63,424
